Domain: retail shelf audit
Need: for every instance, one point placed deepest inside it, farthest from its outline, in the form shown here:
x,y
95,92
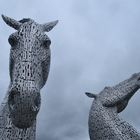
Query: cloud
x,y
95,44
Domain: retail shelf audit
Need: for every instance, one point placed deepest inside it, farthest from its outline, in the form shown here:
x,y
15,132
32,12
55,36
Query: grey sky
x,y
95,44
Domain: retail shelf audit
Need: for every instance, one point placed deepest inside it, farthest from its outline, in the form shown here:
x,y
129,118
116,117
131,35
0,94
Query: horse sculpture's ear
x,y
11,22
49,26
91,95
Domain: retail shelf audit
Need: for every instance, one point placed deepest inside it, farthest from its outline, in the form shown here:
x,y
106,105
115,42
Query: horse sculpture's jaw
x,y
104,122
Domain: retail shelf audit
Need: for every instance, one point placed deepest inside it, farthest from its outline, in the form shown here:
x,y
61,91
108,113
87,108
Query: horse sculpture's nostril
x,y
12,99
35,108
37,100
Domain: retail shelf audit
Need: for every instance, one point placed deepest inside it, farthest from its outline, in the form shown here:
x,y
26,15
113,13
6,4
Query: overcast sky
x,y
95,44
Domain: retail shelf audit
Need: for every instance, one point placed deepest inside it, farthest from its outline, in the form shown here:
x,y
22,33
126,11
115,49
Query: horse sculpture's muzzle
x,y
23,107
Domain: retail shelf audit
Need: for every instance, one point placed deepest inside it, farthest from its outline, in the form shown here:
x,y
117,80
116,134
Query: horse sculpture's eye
x,y
12,40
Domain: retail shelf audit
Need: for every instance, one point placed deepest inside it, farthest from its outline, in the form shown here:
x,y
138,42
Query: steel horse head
x,y
29,68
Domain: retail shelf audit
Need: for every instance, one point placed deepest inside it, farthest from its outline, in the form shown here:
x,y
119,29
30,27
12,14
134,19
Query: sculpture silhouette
x,y
104,122
29,68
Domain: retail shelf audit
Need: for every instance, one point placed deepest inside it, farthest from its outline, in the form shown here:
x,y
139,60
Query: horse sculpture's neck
x,y
29,68
105,124
104,121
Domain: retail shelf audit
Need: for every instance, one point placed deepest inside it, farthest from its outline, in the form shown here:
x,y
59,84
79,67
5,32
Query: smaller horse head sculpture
x,y
119,95
104,121
29,68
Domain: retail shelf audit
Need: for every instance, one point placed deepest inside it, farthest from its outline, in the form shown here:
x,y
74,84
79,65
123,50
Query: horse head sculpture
x,y
104,121
29,68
